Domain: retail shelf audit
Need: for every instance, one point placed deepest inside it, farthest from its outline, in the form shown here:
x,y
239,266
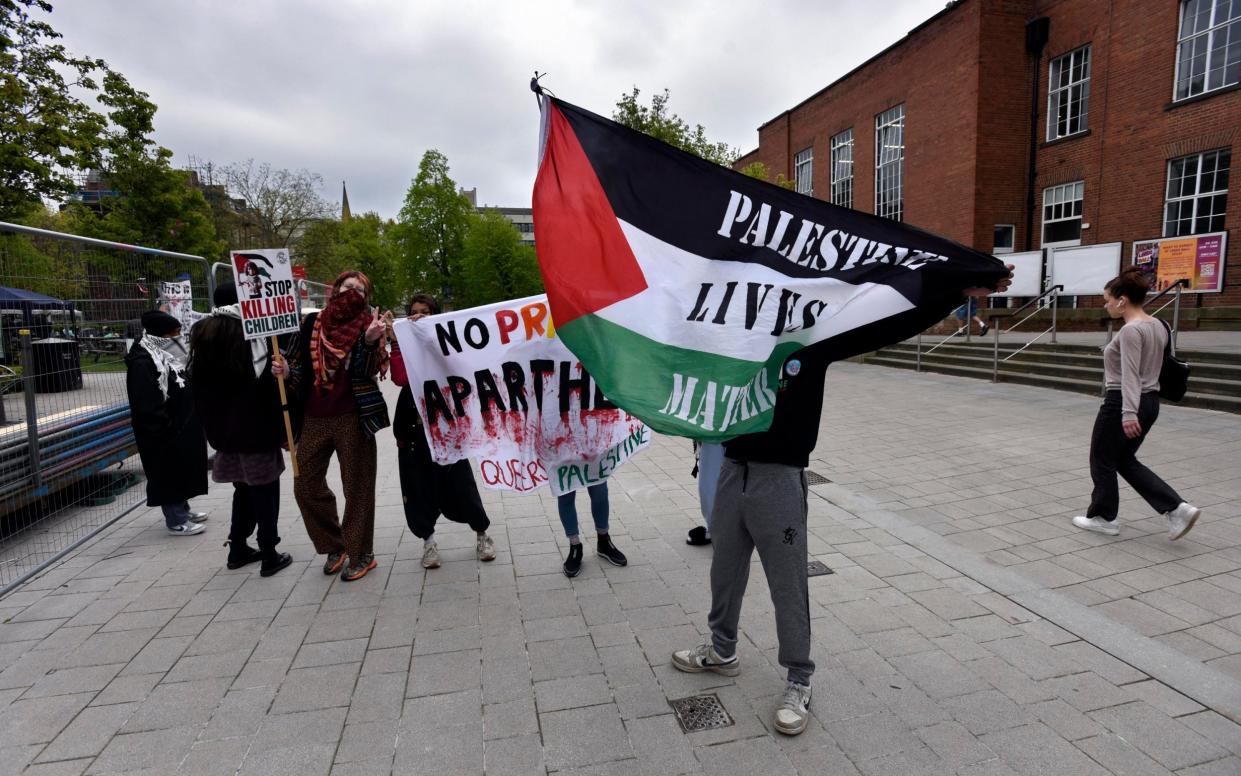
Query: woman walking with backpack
x,y
1131,364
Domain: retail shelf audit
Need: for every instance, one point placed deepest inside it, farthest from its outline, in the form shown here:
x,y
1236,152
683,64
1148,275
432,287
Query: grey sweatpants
x,y
763,506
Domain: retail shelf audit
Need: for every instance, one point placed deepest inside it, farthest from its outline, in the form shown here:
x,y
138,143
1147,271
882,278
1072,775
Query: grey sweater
x,y
1131,362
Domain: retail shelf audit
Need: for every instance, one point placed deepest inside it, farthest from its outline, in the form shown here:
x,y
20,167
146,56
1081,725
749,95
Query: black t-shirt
x,y
795,420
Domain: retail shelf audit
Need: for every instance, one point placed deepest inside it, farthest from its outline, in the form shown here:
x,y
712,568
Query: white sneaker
x,y
1096,524
1181,519
794,709
485,549
198,517
187,529
430,556
705,658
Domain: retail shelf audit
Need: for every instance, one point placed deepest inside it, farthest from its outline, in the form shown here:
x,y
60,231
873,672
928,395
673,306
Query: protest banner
x,y
1197,258
179,298
496,384
268,303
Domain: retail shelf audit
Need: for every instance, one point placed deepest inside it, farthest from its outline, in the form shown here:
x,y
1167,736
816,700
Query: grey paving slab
x,y
930,661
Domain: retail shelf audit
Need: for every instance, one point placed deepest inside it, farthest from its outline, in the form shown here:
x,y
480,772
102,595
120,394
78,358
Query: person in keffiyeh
x,y
333,366
238,403
169,437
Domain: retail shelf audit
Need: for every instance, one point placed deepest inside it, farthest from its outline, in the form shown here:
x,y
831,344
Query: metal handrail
x,y
1053,294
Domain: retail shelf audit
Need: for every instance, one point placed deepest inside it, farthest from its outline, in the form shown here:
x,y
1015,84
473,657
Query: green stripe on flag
x,y
663,384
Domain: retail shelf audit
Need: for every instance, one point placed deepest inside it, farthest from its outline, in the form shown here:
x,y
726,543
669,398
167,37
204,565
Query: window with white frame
x,y
1197,193
890,163
1062,213
1208,47
803,171
842,168
1068,94
1004,238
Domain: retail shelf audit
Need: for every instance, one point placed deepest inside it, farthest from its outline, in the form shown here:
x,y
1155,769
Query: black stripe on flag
x,y
710,211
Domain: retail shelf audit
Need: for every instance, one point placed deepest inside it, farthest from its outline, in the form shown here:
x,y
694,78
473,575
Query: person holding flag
x,y
709,305
236,398
333,366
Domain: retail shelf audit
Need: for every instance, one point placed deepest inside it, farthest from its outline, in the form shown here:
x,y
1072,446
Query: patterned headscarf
x,y
337,329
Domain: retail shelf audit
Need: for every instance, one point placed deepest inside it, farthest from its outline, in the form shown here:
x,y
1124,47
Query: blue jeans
x,y
567,506
176,514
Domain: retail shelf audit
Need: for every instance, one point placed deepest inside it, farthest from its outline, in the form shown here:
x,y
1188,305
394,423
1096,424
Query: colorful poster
x,y
496,384
1197,258
265,292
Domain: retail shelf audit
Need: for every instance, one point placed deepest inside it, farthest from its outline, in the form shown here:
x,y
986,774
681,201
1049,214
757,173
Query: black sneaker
x,y
608,551
573,563
985,328
273,562
241,555
697,536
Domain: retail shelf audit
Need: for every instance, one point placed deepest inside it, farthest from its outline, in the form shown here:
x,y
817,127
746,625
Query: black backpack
x,y
1174,373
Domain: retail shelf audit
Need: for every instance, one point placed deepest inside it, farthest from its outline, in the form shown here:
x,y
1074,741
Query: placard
x,y
1197,258
265,292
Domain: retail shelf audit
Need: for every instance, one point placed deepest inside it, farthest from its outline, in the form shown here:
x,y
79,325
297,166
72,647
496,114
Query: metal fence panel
x,y
69,312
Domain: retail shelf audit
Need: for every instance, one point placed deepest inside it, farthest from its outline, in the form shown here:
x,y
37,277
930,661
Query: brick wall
x,y
965,80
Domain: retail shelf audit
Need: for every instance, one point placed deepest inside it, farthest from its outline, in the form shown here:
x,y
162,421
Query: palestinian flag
x,y
683,286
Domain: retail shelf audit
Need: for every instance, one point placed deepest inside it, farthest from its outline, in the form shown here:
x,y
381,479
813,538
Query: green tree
x,y
760,171
155,205
432,227
47,132
659,122
495,266
365,243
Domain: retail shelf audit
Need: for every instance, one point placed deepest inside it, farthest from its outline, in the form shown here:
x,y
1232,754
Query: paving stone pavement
x,y
938,653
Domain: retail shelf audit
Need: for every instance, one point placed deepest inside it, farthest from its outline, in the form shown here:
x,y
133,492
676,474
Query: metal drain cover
x,y
700,712
816,568
814,478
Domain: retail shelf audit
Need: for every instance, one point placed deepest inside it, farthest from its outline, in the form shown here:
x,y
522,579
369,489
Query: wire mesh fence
x,y
70,310
313,295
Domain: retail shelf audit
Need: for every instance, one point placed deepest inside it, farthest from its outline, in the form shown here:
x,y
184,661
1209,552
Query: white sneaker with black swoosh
x,y
705,658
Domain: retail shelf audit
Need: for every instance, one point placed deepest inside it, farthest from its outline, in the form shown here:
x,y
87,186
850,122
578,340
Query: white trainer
x,y
1096,524
1181,519
704,658
794,709
430,556
187,529
485,548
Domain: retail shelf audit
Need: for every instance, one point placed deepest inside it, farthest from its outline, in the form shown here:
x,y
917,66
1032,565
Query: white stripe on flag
x,y
674,280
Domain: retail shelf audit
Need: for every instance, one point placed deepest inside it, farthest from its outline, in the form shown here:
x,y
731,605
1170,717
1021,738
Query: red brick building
x,y
1018,124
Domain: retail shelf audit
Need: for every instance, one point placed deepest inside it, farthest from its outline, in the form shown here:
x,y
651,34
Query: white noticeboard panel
x,y
1027,274
1083,270
265,292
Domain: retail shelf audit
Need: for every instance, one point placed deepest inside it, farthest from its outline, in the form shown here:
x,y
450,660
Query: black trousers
x,y
429,490
256,506
1112,453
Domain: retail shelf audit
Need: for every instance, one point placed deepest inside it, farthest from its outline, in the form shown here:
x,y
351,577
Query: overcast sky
x,y
357,90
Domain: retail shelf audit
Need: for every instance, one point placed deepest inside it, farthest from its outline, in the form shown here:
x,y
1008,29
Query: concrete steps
x,y
1215,382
